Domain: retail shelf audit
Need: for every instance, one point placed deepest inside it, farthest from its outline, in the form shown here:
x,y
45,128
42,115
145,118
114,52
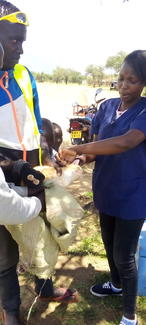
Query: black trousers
x,y
120,238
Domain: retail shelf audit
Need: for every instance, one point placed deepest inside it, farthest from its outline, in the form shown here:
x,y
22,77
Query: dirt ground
x,y
56,104
56,101
70,270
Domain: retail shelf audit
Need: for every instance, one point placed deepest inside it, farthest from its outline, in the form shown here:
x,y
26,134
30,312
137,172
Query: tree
x,y
95,75
57,75
75,77
66,75
41,76
114,62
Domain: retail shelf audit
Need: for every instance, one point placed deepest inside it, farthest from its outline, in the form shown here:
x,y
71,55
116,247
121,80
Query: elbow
x,y
132,139
128,144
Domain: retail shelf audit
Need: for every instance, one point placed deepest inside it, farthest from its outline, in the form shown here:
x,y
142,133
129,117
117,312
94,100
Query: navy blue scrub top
x,y
119,181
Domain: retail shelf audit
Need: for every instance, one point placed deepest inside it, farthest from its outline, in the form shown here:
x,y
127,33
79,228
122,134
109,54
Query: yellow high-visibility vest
x,y
22,77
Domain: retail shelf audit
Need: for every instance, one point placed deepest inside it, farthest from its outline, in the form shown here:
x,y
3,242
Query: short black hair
x,y
137,60
7,8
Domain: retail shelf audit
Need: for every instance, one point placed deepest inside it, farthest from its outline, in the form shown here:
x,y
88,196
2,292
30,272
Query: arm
x,y
20,190
114,145
20,170
15,209
110,146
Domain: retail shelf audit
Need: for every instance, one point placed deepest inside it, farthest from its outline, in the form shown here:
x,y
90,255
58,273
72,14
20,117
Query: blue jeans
x,y
9,290
9,286
120,238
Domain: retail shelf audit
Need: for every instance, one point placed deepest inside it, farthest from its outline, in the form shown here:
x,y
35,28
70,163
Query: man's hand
x,y
59,161
53,163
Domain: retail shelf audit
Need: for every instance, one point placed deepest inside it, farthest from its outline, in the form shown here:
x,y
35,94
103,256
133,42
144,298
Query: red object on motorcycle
x,y
75,125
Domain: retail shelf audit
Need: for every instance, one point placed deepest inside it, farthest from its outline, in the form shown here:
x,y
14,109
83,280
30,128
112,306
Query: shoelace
x,y
107,285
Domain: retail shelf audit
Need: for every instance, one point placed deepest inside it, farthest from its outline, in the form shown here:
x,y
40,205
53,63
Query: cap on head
x,y
17,17
8,12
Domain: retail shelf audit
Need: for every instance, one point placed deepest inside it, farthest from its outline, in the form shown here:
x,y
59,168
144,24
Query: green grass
x,y
93,310
91,266
88,195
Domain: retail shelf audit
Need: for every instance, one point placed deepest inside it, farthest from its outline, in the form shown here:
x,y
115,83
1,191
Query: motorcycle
x,y
79,130
80,123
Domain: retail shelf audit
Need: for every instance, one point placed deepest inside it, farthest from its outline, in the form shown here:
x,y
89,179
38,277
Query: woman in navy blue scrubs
x,y
119,179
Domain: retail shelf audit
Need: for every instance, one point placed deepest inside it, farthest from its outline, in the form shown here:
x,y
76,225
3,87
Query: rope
x,y
34,302
19,135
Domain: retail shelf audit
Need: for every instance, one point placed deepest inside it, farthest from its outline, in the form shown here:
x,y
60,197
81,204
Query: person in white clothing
x,y
15,209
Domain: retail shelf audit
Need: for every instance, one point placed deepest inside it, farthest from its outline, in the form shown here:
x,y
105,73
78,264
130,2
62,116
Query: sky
x,y
76,33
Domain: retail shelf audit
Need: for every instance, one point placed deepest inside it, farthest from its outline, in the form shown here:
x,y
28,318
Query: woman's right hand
x,y
68,155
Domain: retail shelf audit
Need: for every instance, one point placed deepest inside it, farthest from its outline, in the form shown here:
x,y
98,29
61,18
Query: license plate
x,y
76,134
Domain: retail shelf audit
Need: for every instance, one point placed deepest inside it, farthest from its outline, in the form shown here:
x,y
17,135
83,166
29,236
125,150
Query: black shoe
x,y
105,289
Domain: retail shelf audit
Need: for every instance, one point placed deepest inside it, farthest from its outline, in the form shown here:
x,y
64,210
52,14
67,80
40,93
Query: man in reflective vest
x,y
19,139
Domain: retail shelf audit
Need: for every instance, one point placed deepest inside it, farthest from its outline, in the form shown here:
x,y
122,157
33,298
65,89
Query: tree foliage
x,y
95,75
57,75
66,75
114,62
41,76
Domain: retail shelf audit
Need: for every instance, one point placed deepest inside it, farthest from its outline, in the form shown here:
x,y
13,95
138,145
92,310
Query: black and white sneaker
x,y
125,321
106,289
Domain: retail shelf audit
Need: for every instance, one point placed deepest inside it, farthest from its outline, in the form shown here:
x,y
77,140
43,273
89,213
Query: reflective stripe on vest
x,y
22,77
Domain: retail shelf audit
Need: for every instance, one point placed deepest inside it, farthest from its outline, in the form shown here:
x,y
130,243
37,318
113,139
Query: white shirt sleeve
x,y
21,190
15,209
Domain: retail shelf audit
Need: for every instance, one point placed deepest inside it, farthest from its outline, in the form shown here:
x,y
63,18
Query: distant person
x,y
58,136
21,127
119,179
53,134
